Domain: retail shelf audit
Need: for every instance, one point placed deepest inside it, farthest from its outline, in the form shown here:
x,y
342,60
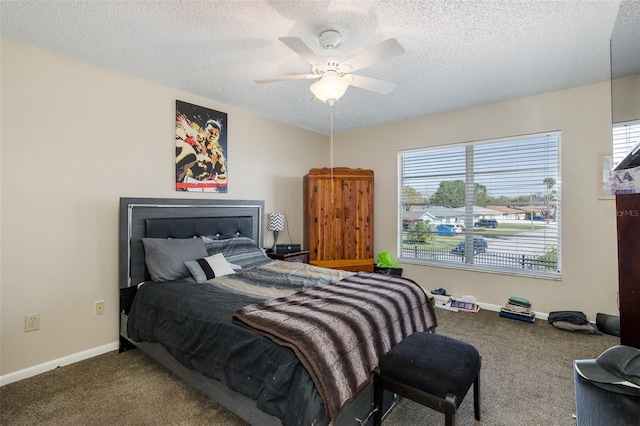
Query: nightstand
x,y
297,256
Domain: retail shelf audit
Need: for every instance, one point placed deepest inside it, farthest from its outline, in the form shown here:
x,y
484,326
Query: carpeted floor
x,y
526,379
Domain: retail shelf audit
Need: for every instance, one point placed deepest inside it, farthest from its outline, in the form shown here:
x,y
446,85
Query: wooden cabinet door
x,y
357,203
628,221
330,244
313,208
323,231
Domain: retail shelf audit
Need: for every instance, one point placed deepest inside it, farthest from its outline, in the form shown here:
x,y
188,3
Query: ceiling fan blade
x,y
287,78
375,85
301,48
380,52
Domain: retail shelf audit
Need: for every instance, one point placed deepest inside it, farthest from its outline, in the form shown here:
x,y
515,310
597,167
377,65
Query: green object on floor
x,y
385,261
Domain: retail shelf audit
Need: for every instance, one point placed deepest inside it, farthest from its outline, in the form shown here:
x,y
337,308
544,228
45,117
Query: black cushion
x,y
433,363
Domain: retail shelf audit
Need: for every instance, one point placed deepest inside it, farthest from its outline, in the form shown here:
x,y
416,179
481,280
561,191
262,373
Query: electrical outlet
x,y
100,307
32,322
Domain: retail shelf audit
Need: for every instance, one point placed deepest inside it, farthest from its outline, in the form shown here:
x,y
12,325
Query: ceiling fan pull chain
x,y
331,150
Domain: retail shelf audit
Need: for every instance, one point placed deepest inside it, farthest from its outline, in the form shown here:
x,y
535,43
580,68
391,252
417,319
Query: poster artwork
x,y
614,182
201,149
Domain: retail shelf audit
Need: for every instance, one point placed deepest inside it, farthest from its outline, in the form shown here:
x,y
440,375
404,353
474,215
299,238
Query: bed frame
x,y
186,218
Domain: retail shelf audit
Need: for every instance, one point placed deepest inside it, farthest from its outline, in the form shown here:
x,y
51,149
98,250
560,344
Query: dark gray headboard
x,y
180,218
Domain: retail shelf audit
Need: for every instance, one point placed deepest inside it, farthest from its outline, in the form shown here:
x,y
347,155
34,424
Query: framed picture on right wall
x,y
614,182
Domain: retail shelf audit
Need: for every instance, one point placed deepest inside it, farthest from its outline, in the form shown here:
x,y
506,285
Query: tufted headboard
x,y
180,218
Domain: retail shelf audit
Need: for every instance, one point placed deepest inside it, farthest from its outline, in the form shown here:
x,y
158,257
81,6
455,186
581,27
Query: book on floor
x,y
524,318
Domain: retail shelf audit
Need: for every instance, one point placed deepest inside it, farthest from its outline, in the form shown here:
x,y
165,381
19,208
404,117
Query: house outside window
x,y
491,206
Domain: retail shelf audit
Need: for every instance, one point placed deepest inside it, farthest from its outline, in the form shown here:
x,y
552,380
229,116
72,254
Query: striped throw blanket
x,y
340,330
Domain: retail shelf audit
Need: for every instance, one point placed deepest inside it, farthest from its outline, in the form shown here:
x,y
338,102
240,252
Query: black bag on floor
x,y
572,321
574,317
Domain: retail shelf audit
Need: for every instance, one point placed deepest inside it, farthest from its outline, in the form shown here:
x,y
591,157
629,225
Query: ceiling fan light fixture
x,y
329,89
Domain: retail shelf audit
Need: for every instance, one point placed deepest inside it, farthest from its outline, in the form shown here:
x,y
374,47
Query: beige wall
x,y
76,138
589,257
625,93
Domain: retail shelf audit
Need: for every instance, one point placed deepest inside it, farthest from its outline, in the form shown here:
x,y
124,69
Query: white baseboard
x,y
496,308
489,307
44,367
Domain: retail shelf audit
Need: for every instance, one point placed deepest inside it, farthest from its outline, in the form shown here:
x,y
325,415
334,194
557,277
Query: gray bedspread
x,y
339,331
194,323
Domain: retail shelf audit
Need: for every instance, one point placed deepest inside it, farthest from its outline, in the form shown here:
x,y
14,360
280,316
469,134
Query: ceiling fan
x,y
334,69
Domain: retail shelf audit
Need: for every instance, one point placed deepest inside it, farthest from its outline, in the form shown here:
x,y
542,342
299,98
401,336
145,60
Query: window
x,y
626,136
501,196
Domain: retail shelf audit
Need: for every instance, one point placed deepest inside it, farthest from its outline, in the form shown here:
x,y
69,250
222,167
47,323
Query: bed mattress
x,y
194,323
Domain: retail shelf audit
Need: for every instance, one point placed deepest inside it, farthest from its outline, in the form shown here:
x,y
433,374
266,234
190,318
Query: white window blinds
x,y
626,136
490,205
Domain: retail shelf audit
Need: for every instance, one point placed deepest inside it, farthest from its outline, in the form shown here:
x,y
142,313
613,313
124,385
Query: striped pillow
x,y
241,251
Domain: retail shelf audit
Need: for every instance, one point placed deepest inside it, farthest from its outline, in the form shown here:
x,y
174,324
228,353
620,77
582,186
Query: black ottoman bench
x,y
431,369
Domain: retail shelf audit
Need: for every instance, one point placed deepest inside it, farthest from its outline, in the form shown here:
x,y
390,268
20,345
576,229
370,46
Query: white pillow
x,y
209,267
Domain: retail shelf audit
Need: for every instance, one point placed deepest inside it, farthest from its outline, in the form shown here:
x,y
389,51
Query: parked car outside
x,y
479,246
446,230
487,223
538,218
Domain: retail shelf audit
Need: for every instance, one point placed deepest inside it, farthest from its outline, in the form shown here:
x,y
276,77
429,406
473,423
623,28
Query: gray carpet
x,y
526,379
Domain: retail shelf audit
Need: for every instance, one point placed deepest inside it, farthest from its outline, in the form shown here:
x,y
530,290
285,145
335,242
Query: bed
x,y
231,336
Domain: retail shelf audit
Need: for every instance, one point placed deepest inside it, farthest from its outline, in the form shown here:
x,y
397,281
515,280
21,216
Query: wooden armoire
x,y
338,210
628,222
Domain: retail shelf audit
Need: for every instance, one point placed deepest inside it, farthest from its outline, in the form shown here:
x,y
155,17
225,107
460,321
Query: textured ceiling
x,y
458,53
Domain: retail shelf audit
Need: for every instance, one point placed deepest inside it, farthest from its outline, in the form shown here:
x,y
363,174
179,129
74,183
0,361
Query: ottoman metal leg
x,y
378,398
476,394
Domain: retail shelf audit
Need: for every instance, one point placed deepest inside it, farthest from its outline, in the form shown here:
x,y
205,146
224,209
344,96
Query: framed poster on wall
x,y
201,149
605,180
